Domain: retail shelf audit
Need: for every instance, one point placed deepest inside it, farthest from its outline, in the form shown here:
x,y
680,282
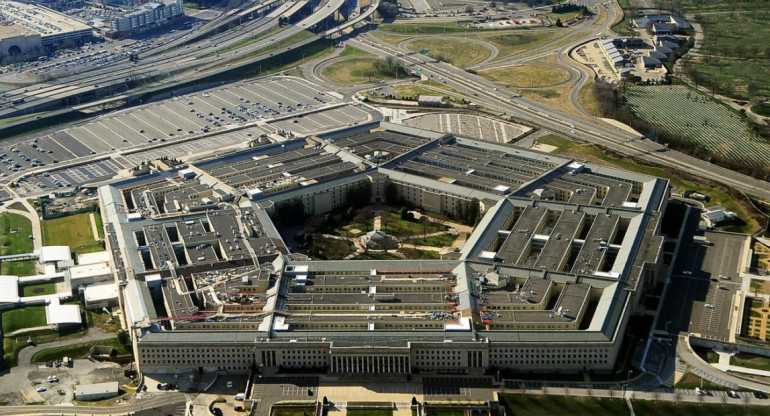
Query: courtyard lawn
x,y
39,289
376,255
403,228
417,254
325,248
74,231
27,317
18,268
441,240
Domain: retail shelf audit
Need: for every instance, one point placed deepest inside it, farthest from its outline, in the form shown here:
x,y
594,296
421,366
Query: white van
x,y
240,396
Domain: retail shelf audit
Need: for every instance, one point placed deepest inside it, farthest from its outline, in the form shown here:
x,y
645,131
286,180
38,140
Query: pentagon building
x,y
561,257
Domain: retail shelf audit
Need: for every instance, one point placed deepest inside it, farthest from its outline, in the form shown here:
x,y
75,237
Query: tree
x,y
740,50
559,23
754,48
469,9
387,10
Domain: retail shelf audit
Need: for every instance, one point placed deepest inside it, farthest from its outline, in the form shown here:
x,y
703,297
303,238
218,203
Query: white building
x,y
100,296
148,16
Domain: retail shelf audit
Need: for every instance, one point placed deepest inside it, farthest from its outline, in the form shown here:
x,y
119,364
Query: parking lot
x,y
703,285
63,390
183,126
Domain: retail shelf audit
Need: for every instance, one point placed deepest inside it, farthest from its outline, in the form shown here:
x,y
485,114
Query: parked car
x,y
40,389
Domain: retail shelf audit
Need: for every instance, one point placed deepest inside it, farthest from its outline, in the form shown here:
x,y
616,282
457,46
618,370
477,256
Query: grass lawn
x,y
40,289
458,52
535,405
719,196
379,255
402,228
427,28
330,248
15,230
587,100
739,78
356,71
18,268
763,109
757,362
723,32
27,317
293,411
74,231
417,254
351,51
76,350
99,223
18,206
527,75
369,412
352,229
691,381
441,240
518,41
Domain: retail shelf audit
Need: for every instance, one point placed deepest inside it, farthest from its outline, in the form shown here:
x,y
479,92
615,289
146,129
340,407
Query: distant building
x,y
661,24
98,391
18,43
146,17
54,27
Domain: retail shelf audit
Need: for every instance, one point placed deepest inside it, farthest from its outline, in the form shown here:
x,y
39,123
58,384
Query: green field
x,y
27,317
39,289
74,231
713,126
458,52
417,254
763,109
719,196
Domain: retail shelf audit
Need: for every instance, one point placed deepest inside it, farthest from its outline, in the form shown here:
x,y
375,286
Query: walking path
x,y
724,365
93,226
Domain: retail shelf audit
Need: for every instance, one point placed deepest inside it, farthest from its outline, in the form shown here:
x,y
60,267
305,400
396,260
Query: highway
x,y
180,62
590,130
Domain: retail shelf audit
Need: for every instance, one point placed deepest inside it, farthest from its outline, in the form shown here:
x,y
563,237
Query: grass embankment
x,y
527,76
15,238
359,71
718,194
77,350
756,362
458,52
74,231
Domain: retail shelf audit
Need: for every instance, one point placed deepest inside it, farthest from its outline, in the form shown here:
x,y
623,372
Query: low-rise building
x,y
98,391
